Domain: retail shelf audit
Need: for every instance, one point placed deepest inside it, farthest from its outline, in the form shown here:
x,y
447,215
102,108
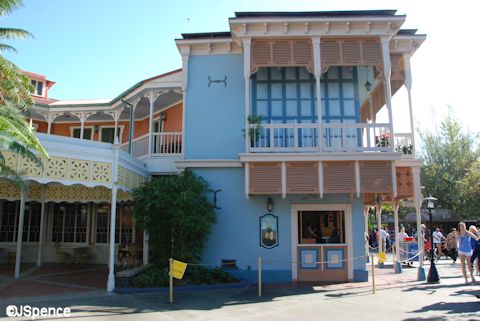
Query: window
x,y
69,223
9,222
8,229
38,87
87,132
123,224
107,134
340,95
321,227
284,95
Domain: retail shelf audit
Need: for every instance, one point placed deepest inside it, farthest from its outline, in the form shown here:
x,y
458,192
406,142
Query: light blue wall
x,y
236,234
215,115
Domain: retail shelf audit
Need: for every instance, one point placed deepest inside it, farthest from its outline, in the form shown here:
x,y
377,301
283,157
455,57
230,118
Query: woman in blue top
x,y
465,249
476,248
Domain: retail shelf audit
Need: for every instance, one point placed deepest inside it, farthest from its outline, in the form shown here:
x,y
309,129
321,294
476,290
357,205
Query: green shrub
x,y
178,214
202,275
152,277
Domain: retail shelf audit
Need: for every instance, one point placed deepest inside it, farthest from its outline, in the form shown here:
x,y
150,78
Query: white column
x,y
21,217
42,223
82,125
247,43
116,116
317,66
145,247
395,222
111,261
408,85
378,213
151,97
49,128
387,70
365,214
418,199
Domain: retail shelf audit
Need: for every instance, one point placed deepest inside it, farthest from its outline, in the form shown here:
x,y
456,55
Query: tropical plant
x,y
15,100
255,129
177,214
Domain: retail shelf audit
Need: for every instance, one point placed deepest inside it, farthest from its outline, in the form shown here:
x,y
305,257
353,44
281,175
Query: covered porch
x,y
66,215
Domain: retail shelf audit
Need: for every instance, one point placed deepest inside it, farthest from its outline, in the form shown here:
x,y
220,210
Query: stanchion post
x,y
170,275
393,255
373,273
259,276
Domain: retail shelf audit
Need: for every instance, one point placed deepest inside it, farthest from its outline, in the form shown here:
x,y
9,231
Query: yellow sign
x,y
178,269
382,257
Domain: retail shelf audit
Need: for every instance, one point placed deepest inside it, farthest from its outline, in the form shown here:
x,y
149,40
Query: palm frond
x,y
14,33
4,47
7,6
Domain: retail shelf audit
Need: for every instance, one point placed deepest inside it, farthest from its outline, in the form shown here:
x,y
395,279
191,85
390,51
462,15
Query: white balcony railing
x,y
404,144
344,137
166,144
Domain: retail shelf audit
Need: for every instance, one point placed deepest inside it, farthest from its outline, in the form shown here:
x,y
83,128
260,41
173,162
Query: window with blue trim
x,y
340,95
284,95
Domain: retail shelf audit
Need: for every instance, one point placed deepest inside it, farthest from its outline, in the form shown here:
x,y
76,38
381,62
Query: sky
x,y
99,48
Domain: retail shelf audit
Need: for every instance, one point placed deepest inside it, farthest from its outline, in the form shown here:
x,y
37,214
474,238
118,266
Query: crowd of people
x,y
459,244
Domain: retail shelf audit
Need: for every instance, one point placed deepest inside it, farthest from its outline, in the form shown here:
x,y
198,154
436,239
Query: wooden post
x,y
373,273
170,276
259,276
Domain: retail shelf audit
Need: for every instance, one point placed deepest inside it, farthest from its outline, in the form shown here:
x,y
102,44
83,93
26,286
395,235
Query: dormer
x,y
40,83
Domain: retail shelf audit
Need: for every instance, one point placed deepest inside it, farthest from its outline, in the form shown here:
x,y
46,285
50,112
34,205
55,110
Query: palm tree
x,y
7,6
15,100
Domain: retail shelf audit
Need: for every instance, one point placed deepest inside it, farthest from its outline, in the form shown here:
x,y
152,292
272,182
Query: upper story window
x,y
38,87
340,102
87,132
284,95
287,95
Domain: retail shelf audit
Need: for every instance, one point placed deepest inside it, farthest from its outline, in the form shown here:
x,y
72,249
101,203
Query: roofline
x,y
348,13
118,97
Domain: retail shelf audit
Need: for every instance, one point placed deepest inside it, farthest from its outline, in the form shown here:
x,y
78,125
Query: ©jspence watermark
x,y
34,312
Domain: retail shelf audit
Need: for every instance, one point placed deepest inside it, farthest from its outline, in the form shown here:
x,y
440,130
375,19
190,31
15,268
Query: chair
x,y
63,257
132,258
83,255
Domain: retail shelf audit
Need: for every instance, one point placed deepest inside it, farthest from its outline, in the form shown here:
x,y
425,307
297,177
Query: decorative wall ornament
x,y
215,198
30,168
10,159
102,172
79,170
78,193
217,81
269,231
11,192
56,167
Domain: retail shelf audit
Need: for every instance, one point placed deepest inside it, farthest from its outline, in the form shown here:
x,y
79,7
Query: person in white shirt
x,y
402,235
385,236
438,238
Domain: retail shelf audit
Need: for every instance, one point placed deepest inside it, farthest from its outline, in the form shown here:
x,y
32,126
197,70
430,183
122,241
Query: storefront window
x,y
9,222
317,227
69,223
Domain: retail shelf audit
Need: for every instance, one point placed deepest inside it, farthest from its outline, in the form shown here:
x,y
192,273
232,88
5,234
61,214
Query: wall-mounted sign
x,y
268,231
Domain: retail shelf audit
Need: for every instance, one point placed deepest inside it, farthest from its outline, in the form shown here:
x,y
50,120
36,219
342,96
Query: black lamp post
x,y
432,273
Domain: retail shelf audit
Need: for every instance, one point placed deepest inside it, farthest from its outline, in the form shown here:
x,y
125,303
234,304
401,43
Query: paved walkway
x,y
398,297
50,280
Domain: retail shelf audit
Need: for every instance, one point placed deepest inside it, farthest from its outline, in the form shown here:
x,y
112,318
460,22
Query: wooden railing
x,y
337,137
165,144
